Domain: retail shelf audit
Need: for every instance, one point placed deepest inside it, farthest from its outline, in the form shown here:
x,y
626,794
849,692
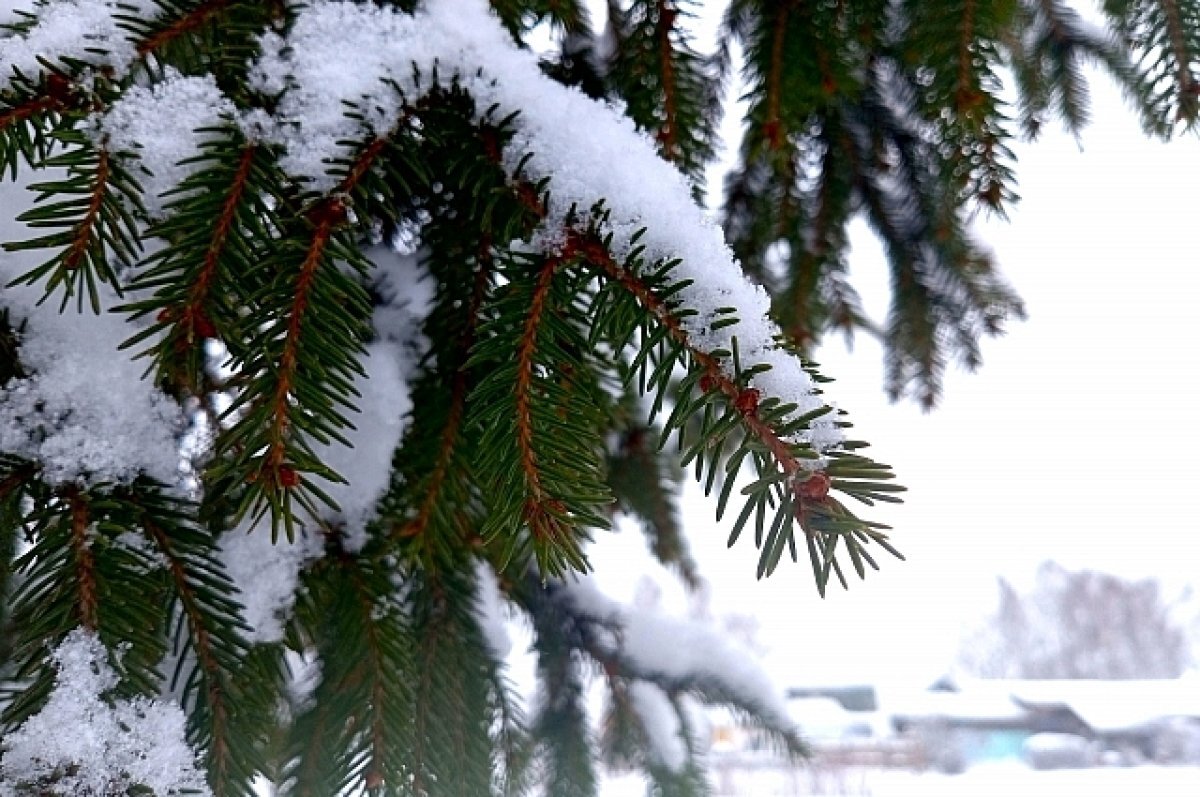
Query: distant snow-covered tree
x,y
1079,624
331,331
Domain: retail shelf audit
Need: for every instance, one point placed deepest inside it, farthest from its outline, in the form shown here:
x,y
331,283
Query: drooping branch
x,y
668,135
542,522
452,430
198,621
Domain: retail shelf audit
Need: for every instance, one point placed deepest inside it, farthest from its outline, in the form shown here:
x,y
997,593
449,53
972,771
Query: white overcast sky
x,y
1075,441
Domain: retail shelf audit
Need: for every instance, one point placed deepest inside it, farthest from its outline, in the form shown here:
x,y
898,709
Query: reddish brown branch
x,y
1176,33
592,251
668,133
191,21
194,319
327,215
83,233
966,95
28,109
363,163
219,750
526,351
289,360
745,400
85,562
773,129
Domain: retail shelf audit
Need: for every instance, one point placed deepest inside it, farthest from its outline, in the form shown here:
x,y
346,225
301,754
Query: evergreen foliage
x,y
412,321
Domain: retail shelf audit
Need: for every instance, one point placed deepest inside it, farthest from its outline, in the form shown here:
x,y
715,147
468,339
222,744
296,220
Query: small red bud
x,y
329,212
815,487
288,477
58,88
747,402
708,383
203,326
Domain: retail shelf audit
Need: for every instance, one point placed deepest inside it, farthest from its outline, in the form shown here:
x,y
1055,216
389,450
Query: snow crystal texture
x,y
90,745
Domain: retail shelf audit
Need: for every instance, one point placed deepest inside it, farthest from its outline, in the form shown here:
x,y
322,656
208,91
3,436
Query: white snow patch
x,y
491,611
266,574
679,650
160,127
367,463
660,721
385,402
92,745
85,412
84,30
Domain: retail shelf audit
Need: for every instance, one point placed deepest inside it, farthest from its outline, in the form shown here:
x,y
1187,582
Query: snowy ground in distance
x,y
985,780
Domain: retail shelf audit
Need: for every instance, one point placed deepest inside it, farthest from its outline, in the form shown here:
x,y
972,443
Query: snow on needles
x,y
84,413
338,53
661,723
87,744
676,650
84,30
161,127
266,573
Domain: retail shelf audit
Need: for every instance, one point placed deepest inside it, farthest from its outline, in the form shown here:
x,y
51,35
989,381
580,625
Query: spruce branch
x,y
359,718
436,484
1164,36
188,22
26,113
461,711
216,229
298,383
84,564
668,87
538,412
95,223
77,561
784,468
228,723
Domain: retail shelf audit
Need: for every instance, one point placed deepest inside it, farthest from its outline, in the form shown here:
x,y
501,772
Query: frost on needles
x,y
319,324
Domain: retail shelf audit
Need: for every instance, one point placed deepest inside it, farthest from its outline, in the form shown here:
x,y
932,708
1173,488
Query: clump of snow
x,y
85,413
160,126
266,574
338,53
491,611
678,650
334,53
81,743
384,400
660,721
85,30
366,464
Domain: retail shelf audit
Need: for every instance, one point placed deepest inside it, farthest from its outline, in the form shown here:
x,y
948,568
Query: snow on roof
x,y
1103,705
1114,705
975,704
